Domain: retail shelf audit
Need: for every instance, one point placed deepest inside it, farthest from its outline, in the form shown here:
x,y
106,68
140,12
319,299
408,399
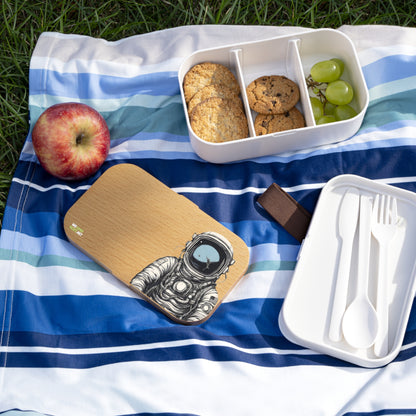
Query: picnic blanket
x,y
76,341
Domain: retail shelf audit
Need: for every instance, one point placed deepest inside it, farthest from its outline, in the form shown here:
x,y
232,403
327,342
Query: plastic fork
x,y
383,228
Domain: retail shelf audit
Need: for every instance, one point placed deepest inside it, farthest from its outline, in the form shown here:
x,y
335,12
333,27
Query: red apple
x,y
71,140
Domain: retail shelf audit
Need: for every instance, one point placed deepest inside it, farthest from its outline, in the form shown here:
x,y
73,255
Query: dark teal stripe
x,y
130,121
47,260
263,266
393,108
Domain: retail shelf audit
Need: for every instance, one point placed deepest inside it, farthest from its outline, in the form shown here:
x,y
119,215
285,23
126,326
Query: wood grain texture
x,y
128,219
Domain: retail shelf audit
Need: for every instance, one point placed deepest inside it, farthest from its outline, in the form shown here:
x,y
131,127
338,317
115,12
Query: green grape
x,y
317,107
325,71
329,109
344,112
326,119
339,92
340,63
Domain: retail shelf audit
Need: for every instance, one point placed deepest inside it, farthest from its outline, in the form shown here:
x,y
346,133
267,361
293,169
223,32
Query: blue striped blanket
x,y
76,341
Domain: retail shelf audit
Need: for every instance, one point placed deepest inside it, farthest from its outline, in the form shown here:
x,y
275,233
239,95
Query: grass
x,y
25,20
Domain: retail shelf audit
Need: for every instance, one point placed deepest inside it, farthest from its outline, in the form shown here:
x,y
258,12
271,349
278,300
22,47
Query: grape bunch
x,y
330,95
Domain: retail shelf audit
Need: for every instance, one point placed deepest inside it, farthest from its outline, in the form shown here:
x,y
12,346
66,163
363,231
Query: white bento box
x,y
313,302
292,56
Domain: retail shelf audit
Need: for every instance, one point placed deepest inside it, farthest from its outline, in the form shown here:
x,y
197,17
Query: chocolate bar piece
x,y
292,216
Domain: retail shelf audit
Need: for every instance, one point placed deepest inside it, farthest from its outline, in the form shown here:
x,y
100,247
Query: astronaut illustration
x,y
185,286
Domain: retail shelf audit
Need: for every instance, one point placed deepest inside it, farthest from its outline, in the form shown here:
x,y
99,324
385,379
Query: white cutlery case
x,y
309,304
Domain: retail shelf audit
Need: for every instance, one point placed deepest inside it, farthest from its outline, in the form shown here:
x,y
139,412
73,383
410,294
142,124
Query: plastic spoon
x,y
360,322
347,224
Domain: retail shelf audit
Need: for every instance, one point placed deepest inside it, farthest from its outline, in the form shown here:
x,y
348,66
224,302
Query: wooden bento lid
x,y
157,242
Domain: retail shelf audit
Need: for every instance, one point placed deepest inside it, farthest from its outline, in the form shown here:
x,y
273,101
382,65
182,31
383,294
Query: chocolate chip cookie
x,y
272,123
272,94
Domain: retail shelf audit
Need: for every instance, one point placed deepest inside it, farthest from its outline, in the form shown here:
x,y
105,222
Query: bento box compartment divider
x,y
236,56
294,65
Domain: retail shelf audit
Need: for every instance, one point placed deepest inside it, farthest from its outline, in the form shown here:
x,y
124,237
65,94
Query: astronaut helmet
x,y
208,255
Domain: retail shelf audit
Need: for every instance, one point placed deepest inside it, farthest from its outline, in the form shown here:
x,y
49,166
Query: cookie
x,y
206,73
272,123
219,120
213,90
272,94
